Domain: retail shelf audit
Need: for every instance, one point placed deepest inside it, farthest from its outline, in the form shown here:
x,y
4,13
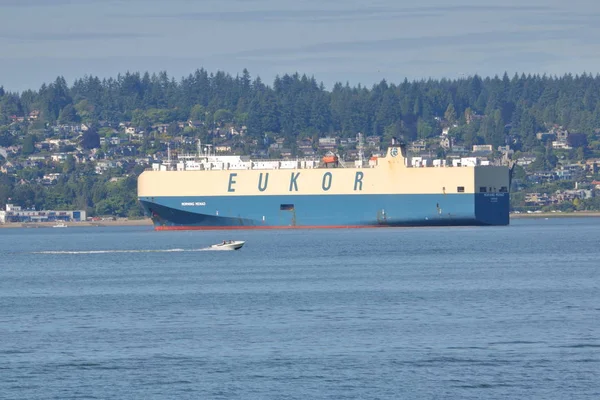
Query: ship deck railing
x,y
341,165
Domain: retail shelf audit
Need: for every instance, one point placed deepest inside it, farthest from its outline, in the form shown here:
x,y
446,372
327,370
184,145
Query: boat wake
x,y
123,251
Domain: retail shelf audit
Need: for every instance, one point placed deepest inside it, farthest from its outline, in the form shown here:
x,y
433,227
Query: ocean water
x,y
417,313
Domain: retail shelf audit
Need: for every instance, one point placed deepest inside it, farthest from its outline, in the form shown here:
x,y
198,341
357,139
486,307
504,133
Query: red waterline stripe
x,y
221,228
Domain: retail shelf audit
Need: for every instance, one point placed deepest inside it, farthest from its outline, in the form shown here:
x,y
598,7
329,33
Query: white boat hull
x,y
232,245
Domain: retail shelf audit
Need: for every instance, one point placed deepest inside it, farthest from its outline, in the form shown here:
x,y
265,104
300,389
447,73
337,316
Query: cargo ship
x,y
207,191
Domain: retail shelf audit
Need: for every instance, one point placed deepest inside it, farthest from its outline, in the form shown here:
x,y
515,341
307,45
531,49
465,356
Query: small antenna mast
x,y
360,148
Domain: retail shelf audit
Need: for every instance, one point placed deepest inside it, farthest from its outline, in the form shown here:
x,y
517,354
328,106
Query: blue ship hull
x,y
327,211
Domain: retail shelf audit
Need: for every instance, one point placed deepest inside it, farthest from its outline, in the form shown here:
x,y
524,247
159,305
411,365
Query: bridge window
x,y
460,189
482,189
503,189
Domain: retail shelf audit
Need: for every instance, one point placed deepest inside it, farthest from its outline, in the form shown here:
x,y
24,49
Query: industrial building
x,y
17,214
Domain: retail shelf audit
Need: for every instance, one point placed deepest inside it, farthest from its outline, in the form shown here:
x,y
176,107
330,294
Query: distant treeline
x,y
498,109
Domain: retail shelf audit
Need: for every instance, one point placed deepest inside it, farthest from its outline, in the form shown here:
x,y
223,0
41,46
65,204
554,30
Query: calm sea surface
x,y
434,313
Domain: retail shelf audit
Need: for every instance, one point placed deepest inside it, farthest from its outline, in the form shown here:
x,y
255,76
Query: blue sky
x,y
333,40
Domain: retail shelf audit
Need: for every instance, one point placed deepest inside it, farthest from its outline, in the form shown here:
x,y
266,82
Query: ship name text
x,y
193,203
327,181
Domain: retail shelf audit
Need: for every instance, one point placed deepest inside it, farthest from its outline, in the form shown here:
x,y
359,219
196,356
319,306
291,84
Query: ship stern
x,y
492,200
492,208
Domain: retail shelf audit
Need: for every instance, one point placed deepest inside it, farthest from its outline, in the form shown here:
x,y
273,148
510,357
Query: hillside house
x,y
285,152
58,157
305,147
526,159
373,141
537,199
34,114
8,168
195,124
328,143
223,147
482,148
417,146
160,128
105,165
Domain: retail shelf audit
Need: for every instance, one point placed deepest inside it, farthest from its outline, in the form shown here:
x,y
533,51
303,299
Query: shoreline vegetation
x,y
148,221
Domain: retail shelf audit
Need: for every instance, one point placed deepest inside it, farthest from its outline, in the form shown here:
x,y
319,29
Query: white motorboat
x,y
60,225
228,245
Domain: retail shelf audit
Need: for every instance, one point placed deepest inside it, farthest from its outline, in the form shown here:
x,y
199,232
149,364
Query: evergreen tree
x,y
68,115
91,138
28,144
450,114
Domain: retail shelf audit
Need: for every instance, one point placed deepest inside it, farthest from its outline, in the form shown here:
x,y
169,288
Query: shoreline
x,y
148,221
87,224
579,214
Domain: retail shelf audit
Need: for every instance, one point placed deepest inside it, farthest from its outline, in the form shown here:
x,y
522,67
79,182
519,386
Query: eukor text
x,y
327,181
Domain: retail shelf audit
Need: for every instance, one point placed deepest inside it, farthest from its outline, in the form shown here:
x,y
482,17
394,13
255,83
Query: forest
x,y
510,108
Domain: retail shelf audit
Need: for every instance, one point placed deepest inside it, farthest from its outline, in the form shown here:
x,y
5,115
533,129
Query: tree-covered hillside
x,y
505,108
39,128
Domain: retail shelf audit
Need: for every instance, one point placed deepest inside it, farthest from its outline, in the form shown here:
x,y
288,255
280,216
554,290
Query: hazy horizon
x,y
332,40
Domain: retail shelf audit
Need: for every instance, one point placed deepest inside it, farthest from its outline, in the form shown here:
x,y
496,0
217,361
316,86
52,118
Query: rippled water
x,y
470,313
